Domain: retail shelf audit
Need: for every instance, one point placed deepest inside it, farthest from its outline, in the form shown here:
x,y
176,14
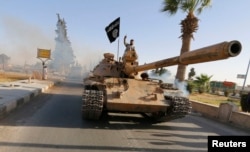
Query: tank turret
x,y
129,67
215,52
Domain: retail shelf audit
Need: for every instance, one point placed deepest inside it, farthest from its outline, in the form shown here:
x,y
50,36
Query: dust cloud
x,y
21,40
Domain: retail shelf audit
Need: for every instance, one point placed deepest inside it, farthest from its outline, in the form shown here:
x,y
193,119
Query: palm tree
x,y
202,82
188,26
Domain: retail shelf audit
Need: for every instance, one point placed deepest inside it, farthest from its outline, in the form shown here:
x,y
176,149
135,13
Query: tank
x,y
122,86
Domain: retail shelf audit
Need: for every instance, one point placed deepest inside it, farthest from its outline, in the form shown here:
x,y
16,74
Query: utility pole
x,y
246,75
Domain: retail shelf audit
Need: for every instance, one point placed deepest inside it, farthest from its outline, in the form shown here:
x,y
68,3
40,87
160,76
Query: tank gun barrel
x,y
214,52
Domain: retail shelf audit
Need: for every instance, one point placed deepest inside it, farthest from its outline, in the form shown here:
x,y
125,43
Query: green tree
x,y
188,26
159,72
190,86
191,74
203,82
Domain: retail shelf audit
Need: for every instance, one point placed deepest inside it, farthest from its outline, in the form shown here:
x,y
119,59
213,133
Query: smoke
x,y
89,57
22,39
168,78
182,86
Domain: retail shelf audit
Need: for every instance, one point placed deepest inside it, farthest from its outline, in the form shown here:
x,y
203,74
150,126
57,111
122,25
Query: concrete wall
x,y
226,112
205,109
241,119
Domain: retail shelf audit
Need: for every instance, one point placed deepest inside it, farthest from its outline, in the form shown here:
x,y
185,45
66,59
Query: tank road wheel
x,y
92,104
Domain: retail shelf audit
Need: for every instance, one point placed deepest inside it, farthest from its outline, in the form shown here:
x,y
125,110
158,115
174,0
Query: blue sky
x,y
30,24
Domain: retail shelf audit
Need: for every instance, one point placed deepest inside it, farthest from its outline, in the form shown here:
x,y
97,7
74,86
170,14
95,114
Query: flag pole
x,y
246,76
118,45
118,49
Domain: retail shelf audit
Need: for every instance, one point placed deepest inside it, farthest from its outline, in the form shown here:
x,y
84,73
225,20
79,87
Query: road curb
x,y
12,101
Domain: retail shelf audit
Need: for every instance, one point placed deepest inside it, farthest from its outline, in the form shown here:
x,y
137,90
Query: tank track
x,y
92,104
179,107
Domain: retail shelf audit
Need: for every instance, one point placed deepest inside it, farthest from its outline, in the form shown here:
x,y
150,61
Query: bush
x,y
190,86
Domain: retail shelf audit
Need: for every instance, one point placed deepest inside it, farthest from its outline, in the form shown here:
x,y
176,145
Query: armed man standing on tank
x,y
129,46
130,53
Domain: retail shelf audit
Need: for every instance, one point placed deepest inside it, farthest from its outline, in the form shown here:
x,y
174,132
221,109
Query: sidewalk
x,y
17,93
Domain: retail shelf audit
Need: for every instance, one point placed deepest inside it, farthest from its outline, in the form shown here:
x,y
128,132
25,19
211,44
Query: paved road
x,y
52,123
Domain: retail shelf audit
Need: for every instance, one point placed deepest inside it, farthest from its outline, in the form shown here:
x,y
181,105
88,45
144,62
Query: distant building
x,y
223,86
4,62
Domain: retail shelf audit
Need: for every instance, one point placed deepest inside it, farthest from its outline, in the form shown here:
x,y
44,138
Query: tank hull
x,y
142,96
133,96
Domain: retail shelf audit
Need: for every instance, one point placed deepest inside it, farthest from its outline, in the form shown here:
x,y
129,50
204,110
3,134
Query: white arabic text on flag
x,y
113,30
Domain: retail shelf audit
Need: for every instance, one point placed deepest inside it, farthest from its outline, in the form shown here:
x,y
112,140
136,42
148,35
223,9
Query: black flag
x,y
113,30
